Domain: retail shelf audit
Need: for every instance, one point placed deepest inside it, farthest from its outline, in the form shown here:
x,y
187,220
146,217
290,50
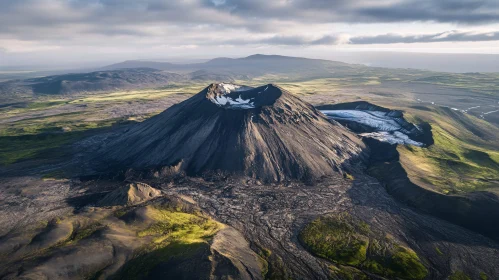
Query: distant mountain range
x,y
253,65
138,74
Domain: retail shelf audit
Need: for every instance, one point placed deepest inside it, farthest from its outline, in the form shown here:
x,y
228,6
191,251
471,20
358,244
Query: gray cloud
x,y
297,40
451,36
23,17
454,11
279,40
31,18
139,27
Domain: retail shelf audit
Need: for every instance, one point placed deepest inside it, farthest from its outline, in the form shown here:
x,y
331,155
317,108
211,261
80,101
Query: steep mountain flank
x,y
265,133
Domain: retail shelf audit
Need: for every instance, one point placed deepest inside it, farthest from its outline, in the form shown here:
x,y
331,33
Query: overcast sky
x,y
62,32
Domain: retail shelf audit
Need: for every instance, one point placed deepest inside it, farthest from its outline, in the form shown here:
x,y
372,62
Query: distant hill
x,y
140,64
99,81
251,66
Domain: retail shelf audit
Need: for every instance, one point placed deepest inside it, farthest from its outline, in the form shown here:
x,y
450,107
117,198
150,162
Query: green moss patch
x,y
405,263
459,275
347,241
348,273
483,276
439,252
83,233
179,246
336,239
178,226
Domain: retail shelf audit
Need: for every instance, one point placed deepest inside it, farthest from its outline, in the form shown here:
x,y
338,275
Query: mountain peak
x,y
232,96
264,132
262,56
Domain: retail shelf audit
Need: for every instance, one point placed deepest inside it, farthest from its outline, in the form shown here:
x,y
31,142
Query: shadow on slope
x,y
475,210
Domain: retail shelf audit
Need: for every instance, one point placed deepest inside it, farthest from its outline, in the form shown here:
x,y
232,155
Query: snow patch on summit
x,y
238,103
229,102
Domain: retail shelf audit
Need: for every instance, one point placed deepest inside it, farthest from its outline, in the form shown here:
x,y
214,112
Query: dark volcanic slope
x,y
266,133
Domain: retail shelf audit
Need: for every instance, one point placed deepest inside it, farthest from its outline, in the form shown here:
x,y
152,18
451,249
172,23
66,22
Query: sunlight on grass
x,y
454,163
140,94
178,226
177,237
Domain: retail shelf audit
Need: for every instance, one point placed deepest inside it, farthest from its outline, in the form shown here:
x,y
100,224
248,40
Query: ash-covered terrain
x,y
242,182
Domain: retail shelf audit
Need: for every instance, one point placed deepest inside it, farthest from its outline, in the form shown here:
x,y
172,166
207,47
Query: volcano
x,y
265,133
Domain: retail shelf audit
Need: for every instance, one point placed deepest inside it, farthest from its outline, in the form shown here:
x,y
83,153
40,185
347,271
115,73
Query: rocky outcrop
x,y
130,194
230,247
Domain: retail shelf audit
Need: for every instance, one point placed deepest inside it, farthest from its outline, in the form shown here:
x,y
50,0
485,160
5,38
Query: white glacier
x,y
374,119
395,137
387,128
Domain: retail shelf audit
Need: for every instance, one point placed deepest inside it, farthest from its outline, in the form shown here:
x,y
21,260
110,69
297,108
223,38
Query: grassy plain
x,y
36,129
